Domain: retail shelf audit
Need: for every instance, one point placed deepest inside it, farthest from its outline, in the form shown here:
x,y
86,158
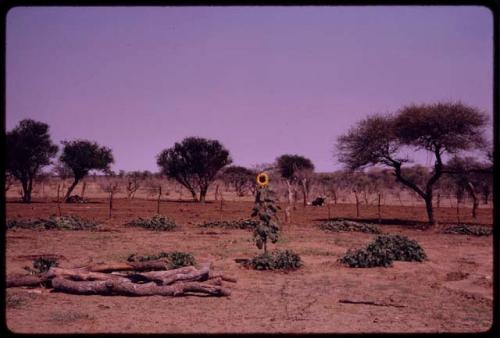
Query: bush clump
x,y
54,222
463,229
276,260
237,224
76,199
175,259
383,251
41,265
157,223
342,225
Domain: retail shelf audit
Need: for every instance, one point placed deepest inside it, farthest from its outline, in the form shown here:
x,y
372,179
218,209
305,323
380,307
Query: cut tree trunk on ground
x,y
28,280
127,288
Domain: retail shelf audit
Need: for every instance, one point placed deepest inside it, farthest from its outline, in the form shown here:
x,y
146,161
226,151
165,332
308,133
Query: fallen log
x,y
28,280
127,288
82,274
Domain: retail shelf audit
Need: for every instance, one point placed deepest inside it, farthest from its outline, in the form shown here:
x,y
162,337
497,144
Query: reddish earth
x,y
450,292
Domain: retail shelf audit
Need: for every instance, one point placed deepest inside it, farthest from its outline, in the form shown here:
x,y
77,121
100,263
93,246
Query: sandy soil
x,y
450,292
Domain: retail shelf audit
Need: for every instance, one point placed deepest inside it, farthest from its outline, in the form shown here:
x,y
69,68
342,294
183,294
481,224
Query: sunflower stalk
x,y
265,212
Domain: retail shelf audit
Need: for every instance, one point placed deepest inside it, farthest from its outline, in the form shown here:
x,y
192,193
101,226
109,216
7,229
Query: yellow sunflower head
x,y
262,179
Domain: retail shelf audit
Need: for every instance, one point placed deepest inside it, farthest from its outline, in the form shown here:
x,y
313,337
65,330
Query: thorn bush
x,y
157,223
175,259
54,222
383,251
41,265
237,224
473,230
342,225
276,260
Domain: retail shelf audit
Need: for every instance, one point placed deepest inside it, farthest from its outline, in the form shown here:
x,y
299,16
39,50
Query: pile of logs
x,y
130,279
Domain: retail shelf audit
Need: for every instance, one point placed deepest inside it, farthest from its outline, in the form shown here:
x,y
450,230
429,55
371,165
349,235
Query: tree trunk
x,y
475,202
379,209
26,192
110,204
58,200
70,189
288,208
357,203
203,193
158,201
429,209
304,190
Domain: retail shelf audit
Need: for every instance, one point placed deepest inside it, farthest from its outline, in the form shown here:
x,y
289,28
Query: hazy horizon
x,y
264,81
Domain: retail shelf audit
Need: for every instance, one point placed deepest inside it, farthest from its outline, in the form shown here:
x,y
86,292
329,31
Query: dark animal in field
x,y
318,202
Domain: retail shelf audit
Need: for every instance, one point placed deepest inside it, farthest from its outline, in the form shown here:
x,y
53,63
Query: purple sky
x,y
263,80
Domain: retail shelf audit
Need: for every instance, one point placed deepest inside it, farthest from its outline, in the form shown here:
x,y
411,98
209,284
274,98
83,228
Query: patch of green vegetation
x,y
157,223
54,222
175,259
383,251
342,225
236,224
473,230
276,260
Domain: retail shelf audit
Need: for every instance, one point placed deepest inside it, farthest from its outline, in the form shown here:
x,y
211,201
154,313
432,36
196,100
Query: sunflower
x,y
262,179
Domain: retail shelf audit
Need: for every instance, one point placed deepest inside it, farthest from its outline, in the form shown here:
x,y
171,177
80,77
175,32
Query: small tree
x,y
265,211
442,128
82,156
111,185
194,163
29,149
296,169
240,178
134,181
468,175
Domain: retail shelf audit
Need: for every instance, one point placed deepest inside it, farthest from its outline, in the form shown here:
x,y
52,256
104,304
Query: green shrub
x,y
342,225
54,222
383,251
463,229
157,223
276,260
237,224
175,259
41,265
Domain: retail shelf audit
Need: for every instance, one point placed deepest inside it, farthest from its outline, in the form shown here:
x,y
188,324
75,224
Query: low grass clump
x,y
383,250
175,259
276,260
157,223
342,225
473,230
237,224
52,223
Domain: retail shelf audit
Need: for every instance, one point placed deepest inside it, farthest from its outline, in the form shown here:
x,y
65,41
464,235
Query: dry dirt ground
x,y
450,292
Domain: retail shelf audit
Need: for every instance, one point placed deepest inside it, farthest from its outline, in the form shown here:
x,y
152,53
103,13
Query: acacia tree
x,y
240,178
442,128
194,163
29,149
82,156
111,185
296,169
468,175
